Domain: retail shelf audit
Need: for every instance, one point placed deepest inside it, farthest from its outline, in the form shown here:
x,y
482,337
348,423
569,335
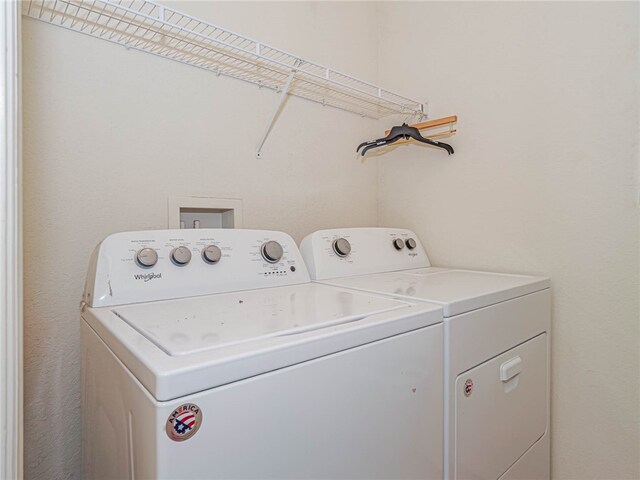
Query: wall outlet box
x,y
204,212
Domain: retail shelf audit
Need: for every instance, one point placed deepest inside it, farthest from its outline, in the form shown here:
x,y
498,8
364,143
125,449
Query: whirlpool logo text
x,y
147,276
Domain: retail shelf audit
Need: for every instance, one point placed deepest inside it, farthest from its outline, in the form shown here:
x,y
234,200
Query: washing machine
x,y
209,354
496,330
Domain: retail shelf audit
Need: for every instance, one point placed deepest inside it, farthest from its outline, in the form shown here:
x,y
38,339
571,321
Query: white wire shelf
x,y
150,27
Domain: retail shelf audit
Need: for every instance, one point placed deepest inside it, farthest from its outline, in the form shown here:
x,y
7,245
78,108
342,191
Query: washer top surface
x,y
187,326
178,347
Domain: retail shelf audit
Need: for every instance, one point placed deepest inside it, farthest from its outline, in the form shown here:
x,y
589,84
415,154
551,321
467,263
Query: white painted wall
x,y
544,181
545,178
110,134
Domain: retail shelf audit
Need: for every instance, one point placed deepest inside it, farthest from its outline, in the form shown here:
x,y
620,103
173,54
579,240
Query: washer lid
x,y
187,326
179,347
458,291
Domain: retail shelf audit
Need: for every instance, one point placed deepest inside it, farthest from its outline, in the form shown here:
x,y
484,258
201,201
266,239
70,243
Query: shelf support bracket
x,y
282,98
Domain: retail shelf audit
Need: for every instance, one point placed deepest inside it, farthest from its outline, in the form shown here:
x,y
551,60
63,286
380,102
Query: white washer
x,y
496,345
210,354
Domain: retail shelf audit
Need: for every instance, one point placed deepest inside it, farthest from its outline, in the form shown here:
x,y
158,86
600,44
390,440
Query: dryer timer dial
x,y
398,243
342,247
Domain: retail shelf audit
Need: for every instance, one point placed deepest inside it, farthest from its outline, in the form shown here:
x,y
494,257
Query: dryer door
x,y
501,410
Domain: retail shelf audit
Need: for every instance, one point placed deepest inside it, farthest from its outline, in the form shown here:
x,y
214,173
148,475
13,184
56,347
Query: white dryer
x,y
496,345
210,354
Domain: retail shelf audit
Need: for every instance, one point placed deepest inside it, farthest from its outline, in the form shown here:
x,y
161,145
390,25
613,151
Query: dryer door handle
x,y
510,368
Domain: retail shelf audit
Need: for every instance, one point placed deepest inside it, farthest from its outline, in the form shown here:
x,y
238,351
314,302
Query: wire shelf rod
x,y
152,28
164,33
283,52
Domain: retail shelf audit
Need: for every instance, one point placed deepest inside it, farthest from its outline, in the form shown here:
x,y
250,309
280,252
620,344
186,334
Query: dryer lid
x,y
458,291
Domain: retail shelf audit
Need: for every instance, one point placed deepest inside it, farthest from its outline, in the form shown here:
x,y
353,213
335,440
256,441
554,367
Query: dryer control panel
x,y
360,251
132,267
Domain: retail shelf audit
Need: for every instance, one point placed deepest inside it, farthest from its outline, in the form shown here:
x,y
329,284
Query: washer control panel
x,y
360,251
133,267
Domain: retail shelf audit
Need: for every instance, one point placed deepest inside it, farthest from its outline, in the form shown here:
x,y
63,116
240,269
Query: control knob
x,y
342,247
411,243
398,243
211,254
271,251
147,257
181,255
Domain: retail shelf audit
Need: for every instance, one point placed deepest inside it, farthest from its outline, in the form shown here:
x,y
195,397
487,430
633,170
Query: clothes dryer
x,y
497,329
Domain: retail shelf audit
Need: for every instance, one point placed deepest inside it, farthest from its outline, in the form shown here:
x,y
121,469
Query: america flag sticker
x,y
468,387
184,422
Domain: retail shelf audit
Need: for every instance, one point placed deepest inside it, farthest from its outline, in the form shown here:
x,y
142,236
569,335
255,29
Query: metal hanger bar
x,y
436,122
